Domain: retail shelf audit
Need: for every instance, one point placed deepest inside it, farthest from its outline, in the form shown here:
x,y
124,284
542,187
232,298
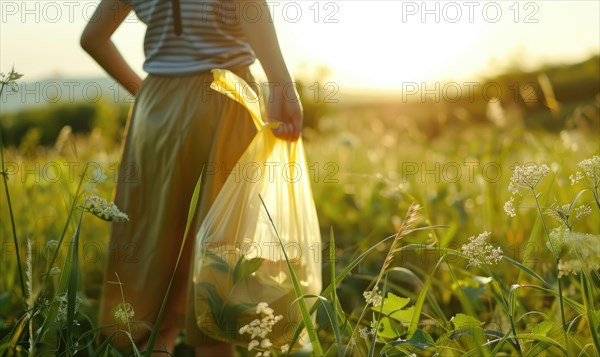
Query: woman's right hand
x,y
283,105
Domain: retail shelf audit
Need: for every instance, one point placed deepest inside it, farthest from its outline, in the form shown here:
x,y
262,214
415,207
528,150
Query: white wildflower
x,y
582,211
285,348
365,332
62,301
527,177
253,344
479,252
373,297
576,178
10,79
103,209
567,267
560,214
61,314
556,240
563,214
124,312
261,328
591,169
509,207
584,253
264,308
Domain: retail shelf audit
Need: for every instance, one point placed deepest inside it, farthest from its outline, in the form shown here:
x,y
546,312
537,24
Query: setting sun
x,y
372,46
382,44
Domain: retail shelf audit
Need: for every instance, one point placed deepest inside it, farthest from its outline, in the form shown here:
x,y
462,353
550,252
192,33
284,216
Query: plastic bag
x,y
239,264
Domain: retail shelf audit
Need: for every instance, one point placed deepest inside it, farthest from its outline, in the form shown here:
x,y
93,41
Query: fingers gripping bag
x,y
243,289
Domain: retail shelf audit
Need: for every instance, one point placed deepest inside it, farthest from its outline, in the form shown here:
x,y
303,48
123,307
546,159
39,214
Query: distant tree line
x,y
545,97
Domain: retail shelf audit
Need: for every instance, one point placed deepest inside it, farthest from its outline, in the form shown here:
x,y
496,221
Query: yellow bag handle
x,y
231,85
236,88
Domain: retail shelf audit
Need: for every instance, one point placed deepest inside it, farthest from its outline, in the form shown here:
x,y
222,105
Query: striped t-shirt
x,y
211,36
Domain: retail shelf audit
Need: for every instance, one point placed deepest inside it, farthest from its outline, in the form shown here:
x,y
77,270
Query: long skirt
x,y
177,130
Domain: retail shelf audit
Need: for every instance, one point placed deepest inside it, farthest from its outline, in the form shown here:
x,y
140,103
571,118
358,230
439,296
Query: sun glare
x,y
396,50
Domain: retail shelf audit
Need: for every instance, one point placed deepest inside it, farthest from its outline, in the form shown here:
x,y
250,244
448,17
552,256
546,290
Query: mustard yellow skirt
x,y
177,127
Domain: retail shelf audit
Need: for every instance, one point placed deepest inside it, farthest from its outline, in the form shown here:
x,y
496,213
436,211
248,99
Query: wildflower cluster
x,y
576,251
582,211
590,168
103,209
373,297
366,331
10,79
509,207
479,252
564,213
124,312
524,178
261,328
62,302
556,240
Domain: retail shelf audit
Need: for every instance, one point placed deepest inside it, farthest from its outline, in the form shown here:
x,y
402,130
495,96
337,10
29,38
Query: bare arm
x,y
96,40
283,103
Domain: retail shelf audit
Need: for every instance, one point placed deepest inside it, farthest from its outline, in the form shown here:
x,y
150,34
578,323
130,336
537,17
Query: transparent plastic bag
x,y
239,262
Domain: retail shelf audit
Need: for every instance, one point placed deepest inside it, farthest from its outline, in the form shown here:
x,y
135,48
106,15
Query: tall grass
x,y
393,286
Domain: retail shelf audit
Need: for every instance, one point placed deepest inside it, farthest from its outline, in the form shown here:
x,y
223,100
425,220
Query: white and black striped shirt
x,y
211,36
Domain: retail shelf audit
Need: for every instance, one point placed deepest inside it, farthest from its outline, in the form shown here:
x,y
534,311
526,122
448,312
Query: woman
x,y
177,127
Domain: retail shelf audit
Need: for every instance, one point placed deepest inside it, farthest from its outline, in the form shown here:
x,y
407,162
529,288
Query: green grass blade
x,y
62,289
334,299
578,307
527,270
421,300
64,232
591,313
310,327
12,219
353,264
72,286
104,347
541,338
338,279
11,340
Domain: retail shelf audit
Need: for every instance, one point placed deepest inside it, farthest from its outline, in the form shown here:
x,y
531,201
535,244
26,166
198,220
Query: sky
x,y
365,44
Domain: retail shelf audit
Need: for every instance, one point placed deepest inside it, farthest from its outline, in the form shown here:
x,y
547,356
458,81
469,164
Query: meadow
x,y
449,229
